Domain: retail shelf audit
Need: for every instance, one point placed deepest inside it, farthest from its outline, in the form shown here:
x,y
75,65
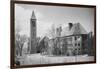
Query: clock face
x,y
33,24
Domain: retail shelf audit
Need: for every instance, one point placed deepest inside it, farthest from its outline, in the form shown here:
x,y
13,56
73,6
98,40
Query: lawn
x,y
33,59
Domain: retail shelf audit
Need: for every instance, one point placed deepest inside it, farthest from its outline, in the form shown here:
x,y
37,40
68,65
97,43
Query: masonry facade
x,y
71,41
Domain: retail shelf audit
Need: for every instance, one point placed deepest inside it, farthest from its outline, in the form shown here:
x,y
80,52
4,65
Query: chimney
x,y
70,25
59,29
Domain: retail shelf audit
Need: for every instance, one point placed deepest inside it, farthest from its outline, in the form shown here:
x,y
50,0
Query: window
x,y
75,44
78,44
75,37
75,49
79,49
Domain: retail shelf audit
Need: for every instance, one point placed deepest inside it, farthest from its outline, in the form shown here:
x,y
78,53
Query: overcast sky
x,y
48,15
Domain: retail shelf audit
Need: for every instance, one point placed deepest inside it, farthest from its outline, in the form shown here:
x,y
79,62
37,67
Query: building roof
x,y
33,15
77,28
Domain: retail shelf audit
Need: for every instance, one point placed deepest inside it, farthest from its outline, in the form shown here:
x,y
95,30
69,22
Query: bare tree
x,y
23,39
19,41
52,31
55,34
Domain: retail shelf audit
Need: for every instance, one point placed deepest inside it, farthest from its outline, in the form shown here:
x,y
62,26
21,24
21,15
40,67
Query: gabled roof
x,y
33,15
77,28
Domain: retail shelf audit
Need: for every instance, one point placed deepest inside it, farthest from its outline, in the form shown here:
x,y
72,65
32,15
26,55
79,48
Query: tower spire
x,y
33,34
33,15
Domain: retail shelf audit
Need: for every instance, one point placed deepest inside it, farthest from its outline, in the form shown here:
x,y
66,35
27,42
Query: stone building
x,y
71,40
75,36
33,33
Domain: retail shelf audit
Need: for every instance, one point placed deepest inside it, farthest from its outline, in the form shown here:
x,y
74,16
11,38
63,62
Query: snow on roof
x,y
77,28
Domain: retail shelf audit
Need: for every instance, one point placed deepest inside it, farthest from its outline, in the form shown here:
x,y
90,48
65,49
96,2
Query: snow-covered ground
x,y
44,59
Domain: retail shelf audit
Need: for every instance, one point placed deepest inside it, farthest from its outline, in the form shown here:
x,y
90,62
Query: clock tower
x,y
33,33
